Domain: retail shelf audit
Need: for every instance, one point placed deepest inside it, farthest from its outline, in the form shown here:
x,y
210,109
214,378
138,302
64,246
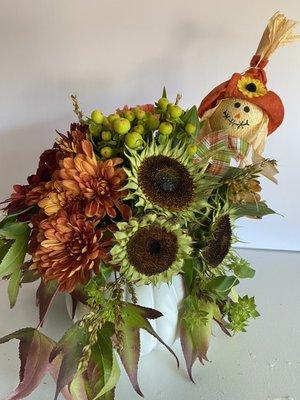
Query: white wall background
x,y
122,52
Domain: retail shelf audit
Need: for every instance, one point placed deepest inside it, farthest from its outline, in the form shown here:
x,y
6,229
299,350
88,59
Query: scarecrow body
x,y
243,107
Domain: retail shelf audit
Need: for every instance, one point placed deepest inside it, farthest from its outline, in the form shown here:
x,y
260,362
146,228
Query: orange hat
x,y
251,85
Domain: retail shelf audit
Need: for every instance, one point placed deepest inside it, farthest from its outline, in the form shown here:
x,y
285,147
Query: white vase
x,y
165,298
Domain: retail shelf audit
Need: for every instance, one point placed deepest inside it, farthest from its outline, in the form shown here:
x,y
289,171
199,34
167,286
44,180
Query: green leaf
x,y
105,364
164,93
251,210
222,284
189,272
191,116
13,217
14,287
15,255
5,246
13,230
71,348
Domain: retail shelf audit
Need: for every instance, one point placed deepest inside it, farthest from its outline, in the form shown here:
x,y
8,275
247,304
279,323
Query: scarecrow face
x,y
237,115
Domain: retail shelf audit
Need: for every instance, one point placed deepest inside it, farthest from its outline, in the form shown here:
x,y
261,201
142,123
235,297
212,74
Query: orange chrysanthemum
x,y
97,183
69,250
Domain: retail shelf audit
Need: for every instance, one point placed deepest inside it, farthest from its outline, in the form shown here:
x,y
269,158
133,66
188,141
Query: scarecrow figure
x,y
243,106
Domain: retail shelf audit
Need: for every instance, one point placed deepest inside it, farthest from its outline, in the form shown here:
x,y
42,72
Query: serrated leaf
x,y
45,295
14,287
135,318
70,347
34,351
251,210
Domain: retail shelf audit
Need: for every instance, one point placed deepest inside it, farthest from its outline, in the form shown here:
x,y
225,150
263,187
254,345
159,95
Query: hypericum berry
x,y
97,117
139,128
121,125
106,135
192,149
129,114
165,128
106,152
113,117
139,113
163,103
190,128
174,111
153,122
133,140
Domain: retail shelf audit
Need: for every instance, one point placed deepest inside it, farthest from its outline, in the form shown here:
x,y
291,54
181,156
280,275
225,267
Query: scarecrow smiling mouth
x,y
233,122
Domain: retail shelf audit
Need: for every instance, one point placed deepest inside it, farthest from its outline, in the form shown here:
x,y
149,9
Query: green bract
x,y
151,250
165,179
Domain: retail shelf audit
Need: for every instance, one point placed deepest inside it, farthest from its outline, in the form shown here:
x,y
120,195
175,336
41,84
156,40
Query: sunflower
x,y
151,250
68,249
219,243
167,180
251,87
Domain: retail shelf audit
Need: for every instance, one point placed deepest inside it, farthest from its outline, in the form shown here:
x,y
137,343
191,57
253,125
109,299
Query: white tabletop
x,y
262,364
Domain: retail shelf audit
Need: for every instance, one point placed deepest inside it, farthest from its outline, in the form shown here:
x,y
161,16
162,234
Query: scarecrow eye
x,y
246,109
237,105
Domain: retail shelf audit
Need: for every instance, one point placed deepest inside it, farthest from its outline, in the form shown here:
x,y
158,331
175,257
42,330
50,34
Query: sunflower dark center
x,y
152,250
251,87
154,246
219,245
166,182
167,179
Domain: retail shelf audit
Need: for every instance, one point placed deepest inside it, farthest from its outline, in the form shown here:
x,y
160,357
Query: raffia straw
x,y
279,32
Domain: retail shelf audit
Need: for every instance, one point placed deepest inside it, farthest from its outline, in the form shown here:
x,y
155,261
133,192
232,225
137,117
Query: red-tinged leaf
x,y
195,331
188,349
137,317
130,354
70,347
134,318
34,351
44,298
76,390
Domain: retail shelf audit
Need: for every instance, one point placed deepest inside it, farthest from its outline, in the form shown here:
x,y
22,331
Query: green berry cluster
x,y
135,127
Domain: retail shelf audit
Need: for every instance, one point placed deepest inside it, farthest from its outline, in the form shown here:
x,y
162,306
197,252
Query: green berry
x,y
174,111
139,113
165,128
106,135
113,117
153,122
133,140
105,122
129,115
163,103
190,128
97,117
139,129
106,152
121,125
192,149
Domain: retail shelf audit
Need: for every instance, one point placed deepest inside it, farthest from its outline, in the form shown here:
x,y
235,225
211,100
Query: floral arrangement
x,y
141,197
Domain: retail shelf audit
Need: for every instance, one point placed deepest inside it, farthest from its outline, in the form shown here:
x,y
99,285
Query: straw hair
x,y
279,32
